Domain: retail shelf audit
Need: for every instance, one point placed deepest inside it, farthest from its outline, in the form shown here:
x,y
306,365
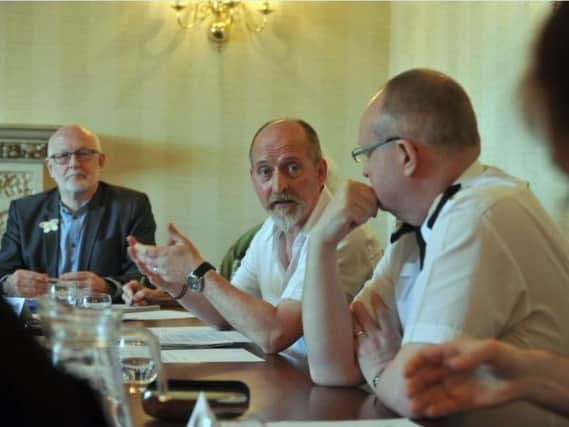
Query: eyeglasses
x,y
81,155
359,152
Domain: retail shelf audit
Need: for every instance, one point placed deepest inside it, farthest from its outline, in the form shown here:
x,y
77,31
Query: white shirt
x,y
496,266
262,274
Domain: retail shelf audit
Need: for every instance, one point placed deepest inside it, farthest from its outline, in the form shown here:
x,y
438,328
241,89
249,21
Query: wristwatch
x,y
195,279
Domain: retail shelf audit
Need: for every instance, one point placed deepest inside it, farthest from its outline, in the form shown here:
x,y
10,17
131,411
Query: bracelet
x,y
376,378
182,292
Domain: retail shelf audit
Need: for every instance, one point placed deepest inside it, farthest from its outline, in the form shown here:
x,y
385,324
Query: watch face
x,y
194,283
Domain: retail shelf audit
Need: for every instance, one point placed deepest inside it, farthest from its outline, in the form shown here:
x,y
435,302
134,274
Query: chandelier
x,y
220,15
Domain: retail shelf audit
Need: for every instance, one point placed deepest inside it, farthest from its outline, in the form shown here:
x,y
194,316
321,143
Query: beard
x,y
286,210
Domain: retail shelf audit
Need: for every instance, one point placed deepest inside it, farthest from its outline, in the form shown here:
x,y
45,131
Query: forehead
x,y
280,140
71,141
376,122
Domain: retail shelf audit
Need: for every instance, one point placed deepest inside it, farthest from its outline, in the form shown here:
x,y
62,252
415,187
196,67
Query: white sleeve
x,y
358,255
381,282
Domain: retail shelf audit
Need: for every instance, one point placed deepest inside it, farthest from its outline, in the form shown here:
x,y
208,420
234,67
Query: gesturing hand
x,y
165,265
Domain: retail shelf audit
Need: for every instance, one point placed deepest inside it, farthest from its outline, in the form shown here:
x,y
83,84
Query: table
x,y
281,389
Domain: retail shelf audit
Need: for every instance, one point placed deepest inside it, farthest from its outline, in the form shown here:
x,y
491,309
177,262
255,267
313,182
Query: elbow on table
x,y
274,343
324,376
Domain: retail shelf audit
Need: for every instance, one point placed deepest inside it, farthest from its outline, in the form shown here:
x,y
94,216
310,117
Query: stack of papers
x,y
208,356
158,315
135,308
396,422
197,336
201,344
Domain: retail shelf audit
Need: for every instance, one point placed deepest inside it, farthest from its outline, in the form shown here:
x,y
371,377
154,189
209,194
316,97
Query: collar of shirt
x,y
472,172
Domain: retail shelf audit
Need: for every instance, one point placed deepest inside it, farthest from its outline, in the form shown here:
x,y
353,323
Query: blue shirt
x,y
71,226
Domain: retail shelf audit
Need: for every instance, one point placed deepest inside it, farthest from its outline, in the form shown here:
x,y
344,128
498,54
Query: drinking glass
x,y
85,343
62,291
139,354
95,301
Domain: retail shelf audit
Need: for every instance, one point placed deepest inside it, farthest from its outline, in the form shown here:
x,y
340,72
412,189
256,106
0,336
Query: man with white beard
x,y
263,300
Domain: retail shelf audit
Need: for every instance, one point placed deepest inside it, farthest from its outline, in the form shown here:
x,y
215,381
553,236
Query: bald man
x,y
77,230
263,299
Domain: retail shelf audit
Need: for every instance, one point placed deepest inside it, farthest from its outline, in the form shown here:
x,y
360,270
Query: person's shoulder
x,y
35,199
489,189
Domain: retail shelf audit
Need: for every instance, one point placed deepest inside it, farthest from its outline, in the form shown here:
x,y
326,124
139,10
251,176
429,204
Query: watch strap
x,y
182,292
202,269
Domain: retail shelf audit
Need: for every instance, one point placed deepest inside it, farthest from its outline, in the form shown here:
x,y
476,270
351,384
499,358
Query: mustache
x,y
276,198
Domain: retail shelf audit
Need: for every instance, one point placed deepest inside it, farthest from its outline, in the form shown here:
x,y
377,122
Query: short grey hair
x,y
430,106
314,150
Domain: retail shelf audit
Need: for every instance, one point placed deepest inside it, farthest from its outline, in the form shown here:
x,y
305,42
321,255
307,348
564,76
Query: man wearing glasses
x,y
76,231
474,253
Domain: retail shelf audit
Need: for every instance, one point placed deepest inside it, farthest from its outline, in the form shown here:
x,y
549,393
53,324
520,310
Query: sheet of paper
x,y
197,335
398,422
209,355
158,315
135,308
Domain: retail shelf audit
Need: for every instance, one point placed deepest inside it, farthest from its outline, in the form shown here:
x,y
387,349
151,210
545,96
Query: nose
x,y
73,159
279,182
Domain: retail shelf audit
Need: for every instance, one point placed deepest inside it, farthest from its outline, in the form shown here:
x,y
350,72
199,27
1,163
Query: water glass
x,y
96,301
62,291
139,353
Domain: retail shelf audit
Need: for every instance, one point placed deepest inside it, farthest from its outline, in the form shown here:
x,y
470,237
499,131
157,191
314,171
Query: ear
x,y
322,170
102,160
49,167
408,156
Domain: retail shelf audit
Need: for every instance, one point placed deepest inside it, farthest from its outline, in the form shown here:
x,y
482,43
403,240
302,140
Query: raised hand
x,y
165,265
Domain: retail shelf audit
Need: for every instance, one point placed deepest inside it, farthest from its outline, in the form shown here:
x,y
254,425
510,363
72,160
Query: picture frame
x,y
23,149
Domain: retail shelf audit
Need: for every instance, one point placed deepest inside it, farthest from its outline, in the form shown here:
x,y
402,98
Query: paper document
x,y
158,315
204,356
197,335
396,422
135,308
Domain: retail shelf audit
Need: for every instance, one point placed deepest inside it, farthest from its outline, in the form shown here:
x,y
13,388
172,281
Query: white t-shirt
x,y
262,274
496,266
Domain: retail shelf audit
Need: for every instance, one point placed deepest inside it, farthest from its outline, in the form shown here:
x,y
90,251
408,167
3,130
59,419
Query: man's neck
x,y
286,241
74,201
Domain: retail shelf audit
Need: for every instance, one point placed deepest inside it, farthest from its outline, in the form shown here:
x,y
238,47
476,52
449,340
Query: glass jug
x,y
84,343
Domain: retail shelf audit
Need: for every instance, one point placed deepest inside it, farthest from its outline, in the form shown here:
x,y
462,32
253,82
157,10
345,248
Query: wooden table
x,y
281,389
